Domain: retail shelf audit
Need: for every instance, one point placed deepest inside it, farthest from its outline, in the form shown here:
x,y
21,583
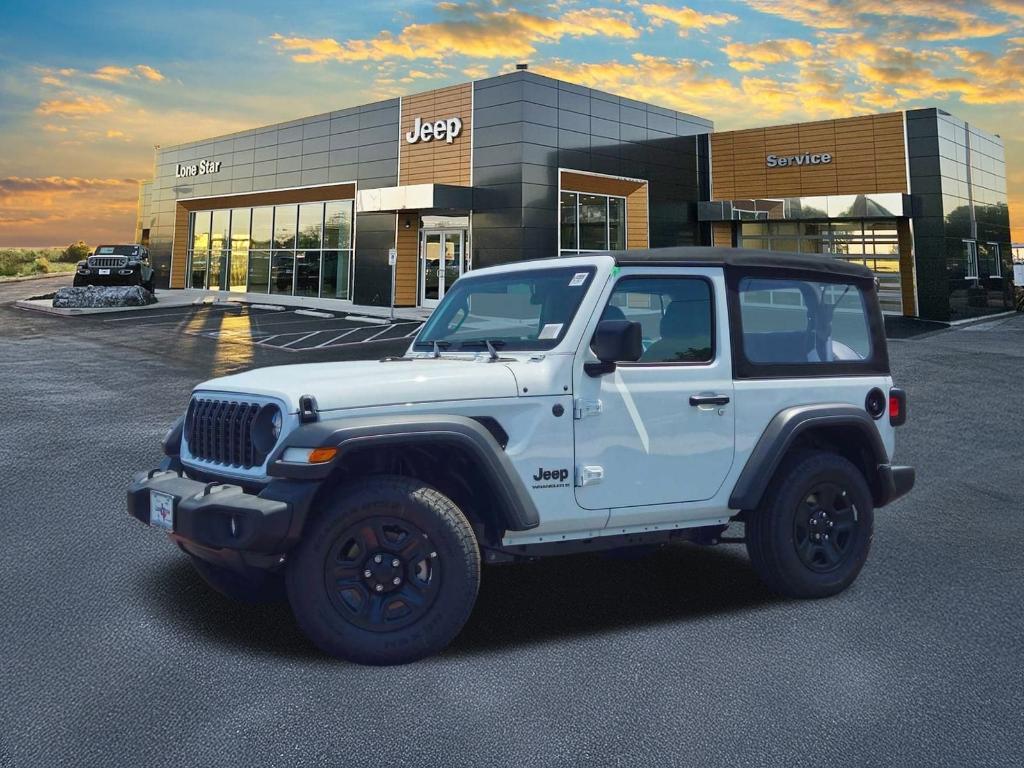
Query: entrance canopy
x,y
414,197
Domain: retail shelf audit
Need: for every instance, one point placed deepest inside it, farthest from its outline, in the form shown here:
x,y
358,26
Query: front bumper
x,y
211,518
895,482
93,277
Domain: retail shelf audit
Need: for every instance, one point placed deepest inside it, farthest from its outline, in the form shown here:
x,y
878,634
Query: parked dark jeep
x,y
116,265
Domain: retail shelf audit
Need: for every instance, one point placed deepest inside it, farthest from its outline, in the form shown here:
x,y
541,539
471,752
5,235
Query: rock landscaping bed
x,y
93,296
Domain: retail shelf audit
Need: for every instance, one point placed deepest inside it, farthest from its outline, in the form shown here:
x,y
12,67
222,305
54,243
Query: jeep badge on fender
x,y
552,474
370,492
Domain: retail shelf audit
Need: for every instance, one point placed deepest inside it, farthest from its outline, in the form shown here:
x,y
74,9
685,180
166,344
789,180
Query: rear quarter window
x,y
813,326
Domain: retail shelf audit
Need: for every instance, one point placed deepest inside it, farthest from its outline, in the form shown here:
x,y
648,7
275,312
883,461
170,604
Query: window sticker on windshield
x,y
551,330
578,279
108,249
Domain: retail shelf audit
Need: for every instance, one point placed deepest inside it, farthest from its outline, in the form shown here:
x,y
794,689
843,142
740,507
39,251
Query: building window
x,y
199,253
997,263
301,250
873,243
970,259
259,249
568,219
591,223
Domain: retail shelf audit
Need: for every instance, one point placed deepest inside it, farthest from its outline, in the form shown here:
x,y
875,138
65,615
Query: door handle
x,y
698,400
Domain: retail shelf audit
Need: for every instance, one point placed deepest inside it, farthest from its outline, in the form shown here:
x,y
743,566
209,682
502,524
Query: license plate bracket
x,y
161,510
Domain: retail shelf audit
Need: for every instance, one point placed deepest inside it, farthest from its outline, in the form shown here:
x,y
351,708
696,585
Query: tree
x,y
76,251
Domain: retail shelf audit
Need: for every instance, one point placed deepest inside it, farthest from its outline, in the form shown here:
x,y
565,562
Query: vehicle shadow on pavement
x,y
519,604
183,599
580,595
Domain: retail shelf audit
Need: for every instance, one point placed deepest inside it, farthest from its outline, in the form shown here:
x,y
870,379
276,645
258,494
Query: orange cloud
x,y
746,57
1009,7
686,19
116,74
146,71
112,74
74,106
933,20
487,35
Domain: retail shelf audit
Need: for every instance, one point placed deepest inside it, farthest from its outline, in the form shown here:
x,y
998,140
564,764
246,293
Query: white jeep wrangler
x,y
546,407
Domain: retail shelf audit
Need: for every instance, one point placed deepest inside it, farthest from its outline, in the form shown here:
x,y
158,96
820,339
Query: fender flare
x,y
780,434
512,500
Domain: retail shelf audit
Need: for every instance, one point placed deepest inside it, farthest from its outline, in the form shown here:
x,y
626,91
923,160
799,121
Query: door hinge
x,y
583,408
589,476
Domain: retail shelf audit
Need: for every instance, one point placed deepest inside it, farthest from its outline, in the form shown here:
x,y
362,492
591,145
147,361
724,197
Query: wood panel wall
x,y
437,161
180,244
407,243
868,156
635,192
721,234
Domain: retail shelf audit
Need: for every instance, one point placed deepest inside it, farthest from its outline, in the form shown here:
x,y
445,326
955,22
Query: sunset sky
x,y
87,88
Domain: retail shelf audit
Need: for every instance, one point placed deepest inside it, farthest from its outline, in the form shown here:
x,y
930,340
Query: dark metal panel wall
x,y
527,126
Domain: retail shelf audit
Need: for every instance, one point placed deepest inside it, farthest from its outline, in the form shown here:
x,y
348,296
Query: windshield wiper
x,y
439,345
492,346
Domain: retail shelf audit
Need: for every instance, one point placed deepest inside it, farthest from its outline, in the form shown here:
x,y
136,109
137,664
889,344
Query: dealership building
x,y
522,166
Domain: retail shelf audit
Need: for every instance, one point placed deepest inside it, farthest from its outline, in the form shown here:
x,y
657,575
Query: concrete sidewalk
x,y
180,298
335,306
165,300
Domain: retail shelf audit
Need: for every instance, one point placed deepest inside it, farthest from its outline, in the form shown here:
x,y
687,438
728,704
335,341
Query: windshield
x,y
117,250
512,310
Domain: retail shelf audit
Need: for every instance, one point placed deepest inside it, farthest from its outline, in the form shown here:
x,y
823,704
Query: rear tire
x,y
811,535
387,573
254,588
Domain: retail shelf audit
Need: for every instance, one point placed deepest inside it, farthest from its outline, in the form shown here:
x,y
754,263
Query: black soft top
x,y
741,259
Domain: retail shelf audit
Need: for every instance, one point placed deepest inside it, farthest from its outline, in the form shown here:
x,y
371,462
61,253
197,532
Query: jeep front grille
x,y
115,262
221,431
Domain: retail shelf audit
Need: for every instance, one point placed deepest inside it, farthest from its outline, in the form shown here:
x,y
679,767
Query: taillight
x,y
897,406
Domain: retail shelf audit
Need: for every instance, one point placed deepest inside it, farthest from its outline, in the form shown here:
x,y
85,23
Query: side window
x,y
803,321
675,314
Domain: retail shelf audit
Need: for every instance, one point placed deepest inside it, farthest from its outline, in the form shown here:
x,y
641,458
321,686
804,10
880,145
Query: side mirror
x,y
615,341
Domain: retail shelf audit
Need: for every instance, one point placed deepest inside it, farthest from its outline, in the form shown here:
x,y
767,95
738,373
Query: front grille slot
x,y
221,432
115,262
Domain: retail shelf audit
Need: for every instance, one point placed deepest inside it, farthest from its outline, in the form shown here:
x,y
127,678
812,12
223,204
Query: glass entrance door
x,y
441,262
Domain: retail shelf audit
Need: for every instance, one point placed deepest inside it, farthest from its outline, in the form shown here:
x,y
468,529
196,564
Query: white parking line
x,y
339,336
295,341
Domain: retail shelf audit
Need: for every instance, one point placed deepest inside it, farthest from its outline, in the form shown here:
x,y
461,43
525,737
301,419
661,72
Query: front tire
x,y
387,573
811,535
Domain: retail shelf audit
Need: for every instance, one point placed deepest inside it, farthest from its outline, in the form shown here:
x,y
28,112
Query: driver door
x,y
640,439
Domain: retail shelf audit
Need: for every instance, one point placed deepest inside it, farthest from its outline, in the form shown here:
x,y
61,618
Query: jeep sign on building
x,y
522,166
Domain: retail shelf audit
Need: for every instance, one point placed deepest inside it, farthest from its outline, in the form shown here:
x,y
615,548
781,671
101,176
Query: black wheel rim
x,y
382,574
825,527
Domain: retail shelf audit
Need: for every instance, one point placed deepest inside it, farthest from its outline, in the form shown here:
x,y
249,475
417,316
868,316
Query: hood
x,y
362,384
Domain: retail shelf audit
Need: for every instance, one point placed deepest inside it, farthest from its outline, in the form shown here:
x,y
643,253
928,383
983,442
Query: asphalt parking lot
x,y
115,653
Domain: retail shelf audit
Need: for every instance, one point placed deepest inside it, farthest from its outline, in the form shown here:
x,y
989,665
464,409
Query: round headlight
x,y
267,428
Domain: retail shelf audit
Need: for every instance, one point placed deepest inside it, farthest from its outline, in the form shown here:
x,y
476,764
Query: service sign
x,y
423,130
200,169
779,161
